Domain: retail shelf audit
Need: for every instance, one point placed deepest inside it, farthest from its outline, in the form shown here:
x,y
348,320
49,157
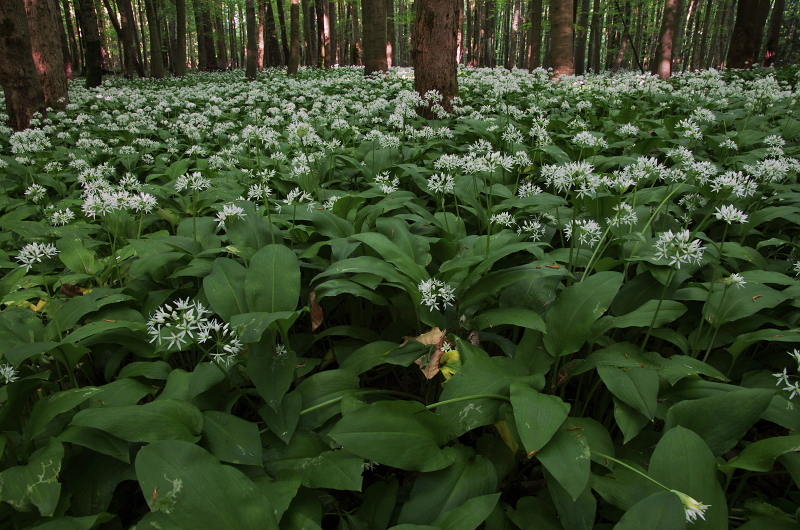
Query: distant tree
x,y
294,46
662,63
561,37
374,34
433,51
251,64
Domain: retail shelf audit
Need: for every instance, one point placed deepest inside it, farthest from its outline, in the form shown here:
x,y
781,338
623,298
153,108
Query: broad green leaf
x,y
369,356
400,434
97,440
77,257
624,488
370,265
51,406
683,462
569,321
322,389
231,439
77,307
150,370
722,419
439,492
629,420
669,311
224,288
271,373
379,502
534,513
761,455
524,318
250,327
36,483
91,479
338,470
272,280
538,416
66,522
575,513
469,515
196,491
638,387
729,304
396,231
659,511
166,419
567,457
283,421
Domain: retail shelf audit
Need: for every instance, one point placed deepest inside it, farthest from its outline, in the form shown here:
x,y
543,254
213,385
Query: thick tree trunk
x,y
374,16
208,35
773,34
433,52
20,81
156,57
680,30
273,45
334,55
745,34
202,57
534,34
48,56
93,58
561,37
180,38
488,41
662,63
310,29
324,33
251,66
294,47
220,31
511,57
595,36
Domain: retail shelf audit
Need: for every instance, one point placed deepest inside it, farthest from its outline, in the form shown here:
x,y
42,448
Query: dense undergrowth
x,y
293,303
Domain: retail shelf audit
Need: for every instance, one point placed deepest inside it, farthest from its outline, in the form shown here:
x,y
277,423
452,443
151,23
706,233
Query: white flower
x,y
441,183
796,356
503,218
229,211
528,189
729,214
735,279
8,373
678,249
783,378
794,386
35,192
587,231
435,292
35,252
693,508
386,183
195,182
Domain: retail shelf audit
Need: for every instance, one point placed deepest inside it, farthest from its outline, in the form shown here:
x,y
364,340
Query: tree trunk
x,y
581,32
773,34
746,32
324,33
662,63
374,16
312,48
390,41
680,31
534,34
595,37
220,30
262,57
273,45
511,58
356,47
208,35
180,39
48,57
66,53
93,60
202,58
284,33
20,81
75,50
294,48
488,41
251,65
433,52
128,26
334,55
156,57
561,56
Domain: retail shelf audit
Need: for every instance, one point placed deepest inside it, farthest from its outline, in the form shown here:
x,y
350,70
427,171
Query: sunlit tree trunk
x,y
48,56
356,46
262,57
374,29
662,63
561,37
75,51
433,52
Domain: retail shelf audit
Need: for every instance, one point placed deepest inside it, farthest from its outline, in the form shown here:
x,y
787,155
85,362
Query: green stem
x,y
623,464
358,393
468,398
658,308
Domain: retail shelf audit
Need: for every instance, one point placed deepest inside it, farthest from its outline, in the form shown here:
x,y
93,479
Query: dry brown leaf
x,y
435,337
317,316
474,338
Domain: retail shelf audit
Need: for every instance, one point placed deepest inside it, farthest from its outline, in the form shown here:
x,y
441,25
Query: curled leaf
x,y
317,316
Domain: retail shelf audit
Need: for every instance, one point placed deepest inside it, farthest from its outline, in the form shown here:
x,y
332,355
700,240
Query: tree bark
x,y
93,59
156,48
251,66
262,57
662,63
284,33
374,16
745,34
294,48
534,34
208,35
433,52
561,37
356,47
332,16
128,25
581,33
20,81
595,36
48,56
773,34
220,31
273,45
75,50
390,40
180,38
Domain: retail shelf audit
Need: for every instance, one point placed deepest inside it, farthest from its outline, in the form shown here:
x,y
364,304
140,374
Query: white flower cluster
x,y
8,373
229,211
677,249
730,214
440,183
435,292
386,183
792,386
35,253
184,322
587,231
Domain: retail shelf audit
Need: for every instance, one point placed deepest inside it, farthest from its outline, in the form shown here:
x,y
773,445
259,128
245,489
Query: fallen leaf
x,y
317,316
436,338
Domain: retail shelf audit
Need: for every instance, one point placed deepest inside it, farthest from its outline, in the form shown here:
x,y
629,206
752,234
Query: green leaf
x,y
469,515
224,288
35,484
439,492
196,491
231,439
638,387
397,232
722,419
379,502
272,280
51,406
569,321
166,419
271,373
75,523
321,388
369,356
538,416
79,306
283,421
369,265
524,318
659,511
567,457
338,470
575,513
400,434
761,455
151,370
97,440
669,311
729,304
533,513
251,326
683,462
78,258
91,480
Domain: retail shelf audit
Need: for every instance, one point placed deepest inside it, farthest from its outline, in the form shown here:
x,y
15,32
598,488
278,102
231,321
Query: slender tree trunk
x,y
334,55
581,32
251,67
294,48
390,40
310,30
284,33
356,47
561,35
220,30
746,32
662,64
48,56
128,26
18,77
66,53
511,57
202,58
374,15
534,34
75,50
488,41
433,51
262,58
595,37
208,35
180,39
156,59
93,59
273,44
773,34
763,14
680,31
